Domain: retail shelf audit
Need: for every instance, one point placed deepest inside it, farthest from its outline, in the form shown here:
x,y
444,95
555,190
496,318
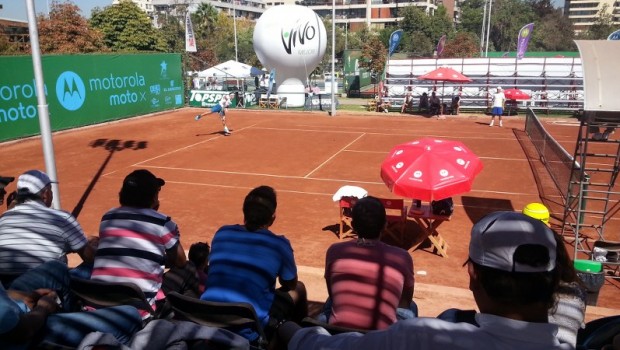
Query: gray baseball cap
x,y
496,237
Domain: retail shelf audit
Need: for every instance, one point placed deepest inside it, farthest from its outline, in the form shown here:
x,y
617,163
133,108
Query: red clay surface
x,y
306,157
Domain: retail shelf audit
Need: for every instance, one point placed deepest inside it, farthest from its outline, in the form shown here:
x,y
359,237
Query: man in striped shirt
x,y
136,240
32,232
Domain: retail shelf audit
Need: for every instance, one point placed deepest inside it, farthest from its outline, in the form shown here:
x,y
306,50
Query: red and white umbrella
x,y
430,169
444,74
516,94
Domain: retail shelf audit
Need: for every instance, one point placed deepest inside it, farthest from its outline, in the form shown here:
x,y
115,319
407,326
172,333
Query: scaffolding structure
x,y
592,199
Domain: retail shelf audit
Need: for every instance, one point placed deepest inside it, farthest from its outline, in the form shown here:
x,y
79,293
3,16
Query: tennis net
x,y
557,160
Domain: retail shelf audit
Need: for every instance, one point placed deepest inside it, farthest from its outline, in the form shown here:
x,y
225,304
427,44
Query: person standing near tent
x,y
499,99
221,108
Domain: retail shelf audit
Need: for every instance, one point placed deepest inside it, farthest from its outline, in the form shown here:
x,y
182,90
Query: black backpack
x,y
443,207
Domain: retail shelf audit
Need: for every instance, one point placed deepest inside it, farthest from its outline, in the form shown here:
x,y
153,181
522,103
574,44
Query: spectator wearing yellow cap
x,y
537,211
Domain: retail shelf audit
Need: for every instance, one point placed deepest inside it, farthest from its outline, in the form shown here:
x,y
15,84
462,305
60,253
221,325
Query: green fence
x,y
87,89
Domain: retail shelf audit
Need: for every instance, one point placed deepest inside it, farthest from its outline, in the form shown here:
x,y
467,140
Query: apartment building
x,y
250,9
583,13
350,14
356,14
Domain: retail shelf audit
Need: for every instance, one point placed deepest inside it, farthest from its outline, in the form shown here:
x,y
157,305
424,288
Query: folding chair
x,y
98,294
345,205
284,103
263,102
230,316
274,102
396,216
333,330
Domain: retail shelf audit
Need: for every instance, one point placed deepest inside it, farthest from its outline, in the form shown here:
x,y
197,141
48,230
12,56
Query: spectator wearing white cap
x,y
513,277
499,100
32,232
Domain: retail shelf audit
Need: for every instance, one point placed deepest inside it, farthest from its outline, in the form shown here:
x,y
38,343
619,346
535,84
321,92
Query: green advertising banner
x,y
209,98
87,89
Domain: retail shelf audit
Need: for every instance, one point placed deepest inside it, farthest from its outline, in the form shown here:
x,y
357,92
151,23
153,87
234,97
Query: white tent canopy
x,y
600,74
229,69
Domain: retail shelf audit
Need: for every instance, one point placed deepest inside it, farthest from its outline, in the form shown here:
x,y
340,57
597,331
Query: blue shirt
x,y
244,266
10,311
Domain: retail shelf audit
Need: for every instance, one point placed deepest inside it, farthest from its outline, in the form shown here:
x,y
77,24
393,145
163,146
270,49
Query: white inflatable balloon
x,y
291,39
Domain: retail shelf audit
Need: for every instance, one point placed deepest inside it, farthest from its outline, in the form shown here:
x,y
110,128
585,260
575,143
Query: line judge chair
x,y
230,316
396,216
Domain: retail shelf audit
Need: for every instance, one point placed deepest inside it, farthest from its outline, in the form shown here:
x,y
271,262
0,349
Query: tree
x,y
127,28
173,34
440,23
463,44
553,32
245,42
472,12
507,18
66,31
374,56
204,20
416,26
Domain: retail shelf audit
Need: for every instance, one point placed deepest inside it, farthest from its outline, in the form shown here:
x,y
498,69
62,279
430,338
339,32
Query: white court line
x,y
334,155
493,158
260,174
188,146
297,178
386,134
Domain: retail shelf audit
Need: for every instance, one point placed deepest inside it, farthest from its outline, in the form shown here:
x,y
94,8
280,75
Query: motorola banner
x,y
87,89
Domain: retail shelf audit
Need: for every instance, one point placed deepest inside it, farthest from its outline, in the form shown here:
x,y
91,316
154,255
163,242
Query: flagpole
x,y
486,50
482,31
42,106
235,29
333,96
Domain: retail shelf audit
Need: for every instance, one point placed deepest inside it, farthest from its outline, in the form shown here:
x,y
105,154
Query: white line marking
x,y
300,178
334,155
188,146
411,133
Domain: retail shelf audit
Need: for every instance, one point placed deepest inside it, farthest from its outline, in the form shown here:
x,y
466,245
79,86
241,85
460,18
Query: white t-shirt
x,y
499,99
225,101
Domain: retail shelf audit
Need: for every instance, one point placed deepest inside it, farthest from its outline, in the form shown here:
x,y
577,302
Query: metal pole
x,y
482,31
333,96
486,50
235,29
44,120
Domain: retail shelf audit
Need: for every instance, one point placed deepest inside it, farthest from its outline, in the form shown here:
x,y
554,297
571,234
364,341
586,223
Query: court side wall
x,y
87,89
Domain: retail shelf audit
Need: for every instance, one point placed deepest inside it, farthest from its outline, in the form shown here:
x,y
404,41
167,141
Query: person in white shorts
x,y
498,106
221,108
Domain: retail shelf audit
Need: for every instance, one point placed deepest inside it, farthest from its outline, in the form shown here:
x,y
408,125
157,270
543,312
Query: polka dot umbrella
x,y
430,169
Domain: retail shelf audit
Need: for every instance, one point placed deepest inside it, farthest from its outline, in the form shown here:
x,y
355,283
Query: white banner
x,y
190,40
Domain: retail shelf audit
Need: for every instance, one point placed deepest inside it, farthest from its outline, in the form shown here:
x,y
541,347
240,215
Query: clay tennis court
x,y
306,157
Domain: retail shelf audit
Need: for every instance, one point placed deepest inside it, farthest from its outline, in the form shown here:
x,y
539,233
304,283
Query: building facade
x,y
583,13
356,14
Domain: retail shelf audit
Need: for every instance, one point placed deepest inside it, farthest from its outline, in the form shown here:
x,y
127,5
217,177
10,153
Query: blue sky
x,y
16,9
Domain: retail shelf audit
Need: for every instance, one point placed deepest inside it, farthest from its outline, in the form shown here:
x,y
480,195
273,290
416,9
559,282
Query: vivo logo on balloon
x,y
299,35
